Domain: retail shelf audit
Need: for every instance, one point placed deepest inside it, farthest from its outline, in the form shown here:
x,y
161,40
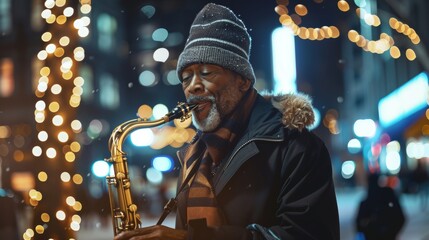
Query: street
x,y
416,226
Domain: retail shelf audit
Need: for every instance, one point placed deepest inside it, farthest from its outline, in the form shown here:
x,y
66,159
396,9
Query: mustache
x,y
197,99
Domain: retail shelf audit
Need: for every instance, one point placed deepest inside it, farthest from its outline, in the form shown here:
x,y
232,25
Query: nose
x,y
196,85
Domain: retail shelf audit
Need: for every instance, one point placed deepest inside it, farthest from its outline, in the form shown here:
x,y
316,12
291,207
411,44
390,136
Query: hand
x,y
157,232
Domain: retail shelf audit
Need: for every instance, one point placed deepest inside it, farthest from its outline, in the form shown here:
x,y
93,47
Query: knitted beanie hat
x,y
217,36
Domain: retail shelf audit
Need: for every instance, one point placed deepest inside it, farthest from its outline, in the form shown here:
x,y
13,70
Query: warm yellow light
x,y
64,41
394,52
79,53
59,52
29,232
70,156
42,176
50,3
57,120
63,137
66,63
47,36
51,152
32,193
335,32
42,136
75,226
65,176
281,9
70,200
61,215
50,48
36,151
393,22
353,36
83,32
45,217
42,55
56,89
44,79
68,11
377,21
38,196
45,71
61,19
144,111
46,13
39,117
77,206
60,3
85,8
75,146
76,218
40,229
85,21
416,40
76,126
42,87
74,101
51,19
78,81
40,105
18,155
77,179
67,75
54,107
77,91
343,6
410,54
301,10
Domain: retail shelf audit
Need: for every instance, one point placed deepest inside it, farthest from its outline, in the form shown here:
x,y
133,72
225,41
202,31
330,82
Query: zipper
x,y
238,149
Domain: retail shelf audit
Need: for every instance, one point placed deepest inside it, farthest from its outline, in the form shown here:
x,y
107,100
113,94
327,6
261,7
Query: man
x,y
260,173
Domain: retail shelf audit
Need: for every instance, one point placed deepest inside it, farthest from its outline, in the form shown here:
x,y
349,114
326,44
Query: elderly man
x,y
260,174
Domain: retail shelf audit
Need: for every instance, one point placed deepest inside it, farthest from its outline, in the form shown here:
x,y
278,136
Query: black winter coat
x,y
277,182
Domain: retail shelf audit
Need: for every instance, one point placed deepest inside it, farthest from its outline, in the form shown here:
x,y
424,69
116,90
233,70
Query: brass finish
x,y
123,210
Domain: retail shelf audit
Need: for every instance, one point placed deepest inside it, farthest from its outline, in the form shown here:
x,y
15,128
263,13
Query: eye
x,y
186,77
206,73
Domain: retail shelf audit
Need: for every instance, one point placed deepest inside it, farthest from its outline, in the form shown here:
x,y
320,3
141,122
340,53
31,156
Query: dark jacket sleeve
x,y
307,202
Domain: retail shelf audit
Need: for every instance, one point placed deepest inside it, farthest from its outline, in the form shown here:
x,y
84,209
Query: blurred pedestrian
x,y
420,178
380,215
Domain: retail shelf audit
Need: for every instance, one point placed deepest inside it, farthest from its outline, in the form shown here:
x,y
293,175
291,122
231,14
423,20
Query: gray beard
x,y
213,119
210,123
219,109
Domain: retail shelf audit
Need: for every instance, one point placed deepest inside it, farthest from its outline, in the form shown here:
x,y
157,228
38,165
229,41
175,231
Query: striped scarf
x,y
212,148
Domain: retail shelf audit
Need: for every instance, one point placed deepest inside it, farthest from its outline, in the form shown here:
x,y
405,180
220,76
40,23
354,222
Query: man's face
x,y
216,90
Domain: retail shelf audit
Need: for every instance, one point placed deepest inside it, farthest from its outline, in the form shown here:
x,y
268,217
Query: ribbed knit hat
x,y
217,36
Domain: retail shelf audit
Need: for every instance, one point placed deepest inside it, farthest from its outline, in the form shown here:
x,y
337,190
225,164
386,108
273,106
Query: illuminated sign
x,y
404,101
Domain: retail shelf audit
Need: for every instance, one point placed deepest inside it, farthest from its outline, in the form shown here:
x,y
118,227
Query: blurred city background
x,y
71,71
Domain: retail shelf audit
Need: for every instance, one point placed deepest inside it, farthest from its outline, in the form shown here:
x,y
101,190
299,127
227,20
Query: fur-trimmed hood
x,y
296,108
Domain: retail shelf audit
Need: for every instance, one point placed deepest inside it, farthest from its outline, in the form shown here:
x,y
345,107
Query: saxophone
x,y
123,210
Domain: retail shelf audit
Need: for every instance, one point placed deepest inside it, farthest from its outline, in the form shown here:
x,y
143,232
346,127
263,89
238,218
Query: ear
x,y
244,84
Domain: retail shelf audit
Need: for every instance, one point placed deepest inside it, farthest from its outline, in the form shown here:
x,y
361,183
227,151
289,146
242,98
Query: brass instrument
x,y
123,210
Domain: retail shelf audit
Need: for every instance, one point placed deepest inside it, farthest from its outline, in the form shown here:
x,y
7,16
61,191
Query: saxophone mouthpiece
x,y
182,110
192,106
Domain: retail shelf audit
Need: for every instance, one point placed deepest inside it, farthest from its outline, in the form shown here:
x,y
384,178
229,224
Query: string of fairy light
x,y
59,90
293,19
